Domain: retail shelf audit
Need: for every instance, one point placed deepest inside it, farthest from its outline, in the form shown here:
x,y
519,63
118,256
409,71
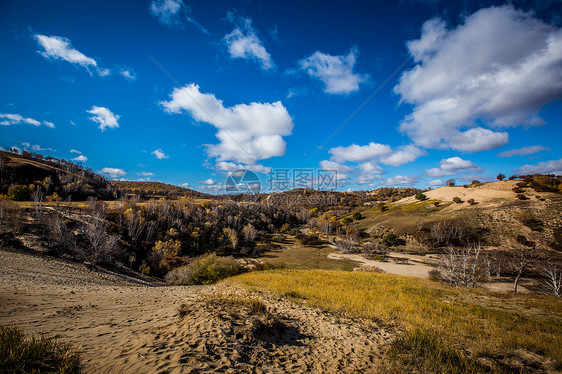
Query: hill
x,y
496,211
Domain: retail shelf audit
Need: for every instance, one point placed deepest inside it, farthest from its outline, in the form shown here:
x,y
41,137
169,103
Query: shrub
x,y
457,200
313,212
391,240
207,269
517,189
310,239
285,228
420,196
450,183
345,221
521,184
19,193
521,196
370,269
475,181
435,275
357,216
471,201
500,177
436,203
22,354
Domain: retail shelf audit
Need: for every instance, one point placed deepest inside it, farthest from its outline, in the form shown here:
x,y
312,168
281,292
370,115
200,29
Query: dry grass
x,y
485,324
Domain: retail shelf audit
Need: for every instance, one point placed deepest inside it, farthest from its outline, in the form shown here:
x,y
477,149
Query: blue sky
x,y
406,93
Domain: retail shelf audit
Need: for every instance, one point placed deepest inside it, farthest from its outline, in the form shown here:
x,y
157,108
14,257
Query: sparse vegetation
x,y
457,200
23,354
420,196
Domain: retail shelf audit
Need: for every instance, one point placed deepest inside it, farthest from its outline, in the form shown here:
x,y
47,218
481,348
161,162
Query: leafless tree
x,y
135,224
346,245
521,257
462,266
250,232
38,195
231,236
552,281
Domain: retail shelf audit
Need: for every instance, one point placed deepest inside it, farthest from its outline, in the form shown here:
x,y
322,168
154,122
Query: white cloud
x,y
436,182
452,166
145,174
246,132
336,72
113,172
401,180
498,69
60,48
8,119
104,117
383,153
231,166
80,158
173,13
14,119
243,43
546,167
341,170
159,154
128,74
185,185
370,168
75,151
209,182
525,151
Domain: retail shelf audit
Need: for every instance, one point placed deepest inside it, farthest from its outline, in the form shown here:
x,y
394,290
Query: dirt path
x,y
121,325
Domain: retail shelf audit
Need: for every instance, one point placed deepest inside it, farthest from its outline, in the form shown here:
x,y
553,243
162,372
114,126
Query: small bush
x,y
420,196
22,354
357,216
391,240
19,193
435,275
370,269
517,189
521,196
308,239
471,201
207,269
436,203
425,352
457,200
475,181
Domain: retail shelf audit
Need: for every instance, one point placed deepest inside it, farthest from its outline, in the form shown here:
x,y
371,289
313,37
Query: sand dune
x,y
120,326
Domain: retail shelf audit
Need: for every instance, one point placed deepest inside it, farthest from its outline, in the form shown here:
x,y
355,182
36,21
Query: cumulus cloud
x,y
436,182
382,153
243,43
159,154
60,48
8,119
546,167
247,133
497,69
104,117
232,166
342,171
336,72
173,12
113,172
401,180
185,185
452,166
525,151
80,158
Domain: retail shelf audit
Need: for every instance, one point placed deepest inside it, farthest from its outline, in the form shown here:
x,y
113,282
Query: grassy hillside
x,y
487,331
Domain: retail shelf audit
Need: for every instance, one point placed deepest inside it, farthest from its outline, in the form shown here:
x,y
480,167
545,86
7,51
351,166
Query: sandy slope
x,y
122,326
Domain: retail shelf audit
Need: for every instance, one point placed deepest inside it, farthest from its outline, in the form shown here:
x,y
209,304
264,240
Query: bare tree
x,y
231,236
346,245
521,257
250,232
552,281
462,266
38,195
135,224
